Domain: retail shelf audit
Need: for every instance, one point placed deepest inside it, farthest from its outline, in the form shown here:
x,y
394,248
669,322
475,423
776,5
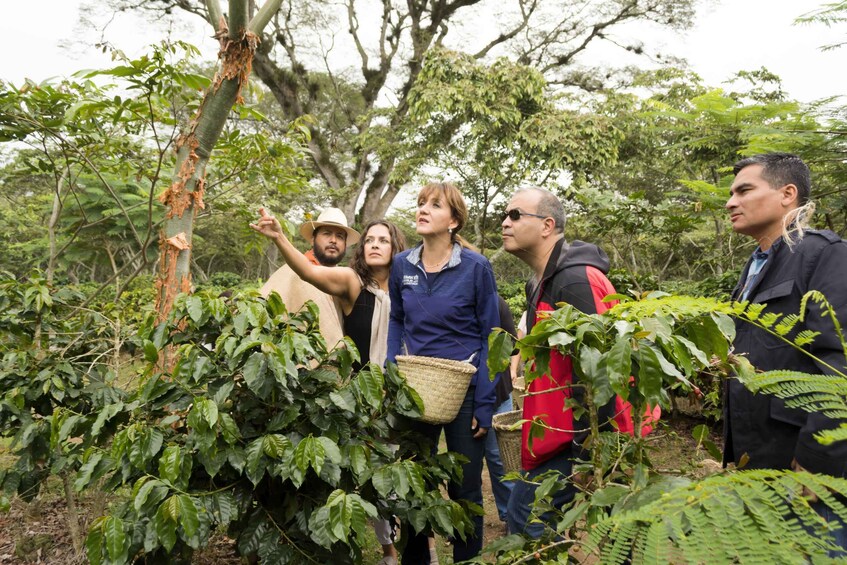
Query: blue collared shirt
x,y
447,314
756,265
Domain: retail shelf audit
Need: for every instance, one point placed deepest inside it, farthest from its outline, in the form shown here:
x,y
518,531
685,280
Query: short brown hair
x,y
453,197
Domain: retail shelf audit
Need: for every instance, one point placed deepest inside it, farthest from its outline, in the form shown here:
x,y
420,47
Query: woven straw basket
x,y
518,392
509,440
441,383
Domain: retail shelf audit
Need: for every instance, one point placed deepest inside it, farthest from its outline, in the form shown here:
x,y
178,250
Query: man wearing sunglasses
x,y
574,272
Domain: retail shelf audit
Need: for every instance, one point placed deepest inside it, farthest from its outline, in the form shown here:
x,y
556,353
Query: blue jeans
x,y
839,536
460,439
502,489
523,497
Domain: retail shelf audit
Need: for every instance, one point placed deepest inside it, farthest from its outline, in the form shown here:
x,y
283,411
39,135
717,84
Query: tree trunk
x,y
72,513
719,243
204,277
51,226
194,146
272,261
719,239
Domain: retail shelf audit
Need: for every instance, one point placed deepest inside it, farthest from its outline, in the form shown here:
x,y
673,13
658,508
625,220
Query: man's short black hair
x,y
780,169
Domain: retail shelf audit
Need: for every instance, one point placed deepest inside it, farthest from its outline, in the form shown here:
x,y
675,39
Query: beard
x,y
326,260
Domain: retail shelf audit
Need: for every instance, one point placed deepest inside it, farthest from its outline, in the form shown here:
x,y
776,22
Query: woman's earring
x,y
450,231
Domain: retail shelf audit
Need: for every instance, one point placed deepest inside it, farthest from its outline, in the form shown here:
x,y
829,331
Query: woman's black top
x,y
358,326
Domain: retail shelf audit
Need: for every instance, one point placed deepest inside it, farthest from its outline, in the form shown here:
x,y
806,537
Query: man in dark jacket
x,y
574,273
769,201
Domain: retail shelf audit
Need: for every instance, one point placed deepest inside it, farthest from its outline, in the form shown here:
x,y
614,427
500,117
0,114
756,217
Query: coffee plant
x,y
625,511
245,423
57,375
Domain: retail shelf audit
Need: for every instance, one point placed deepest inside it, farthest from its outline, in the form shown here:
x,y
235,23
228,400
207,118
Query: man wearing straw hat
x,y
330,237
533,231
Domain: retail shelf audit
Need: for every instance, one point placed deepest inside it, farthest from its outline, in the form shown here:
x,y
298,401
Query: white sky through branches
x,y
44,38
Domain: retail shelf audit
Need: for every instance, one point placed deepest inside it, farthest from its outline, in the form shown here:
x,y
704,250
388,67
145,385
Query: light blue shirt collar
x,y
414,256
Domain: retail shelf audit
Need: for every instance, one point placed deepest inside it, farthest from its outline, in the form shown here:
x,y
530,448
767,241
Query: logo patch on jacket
x,y
411,280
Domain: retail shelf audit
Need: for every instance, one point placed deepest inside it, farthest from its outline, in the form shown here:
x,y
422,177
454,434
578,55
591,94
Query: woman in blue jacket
x,y
444,304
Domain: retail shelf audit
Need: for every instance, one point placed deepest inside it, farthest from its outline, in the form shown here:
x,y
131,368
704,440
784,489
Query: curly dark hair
x,y
357,262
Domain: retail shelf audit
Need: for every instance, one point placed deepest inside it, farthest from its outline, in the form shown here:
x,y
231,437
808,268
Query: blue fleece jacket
x,y
447,314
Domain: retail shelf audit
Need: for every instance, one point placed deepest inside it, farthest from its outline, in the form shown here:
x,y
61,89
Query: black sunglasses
x,y
515,214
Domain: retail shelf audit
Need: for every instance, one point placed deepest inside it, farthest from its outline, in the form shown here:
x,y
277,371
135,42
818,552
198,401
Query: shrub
x,y
257,429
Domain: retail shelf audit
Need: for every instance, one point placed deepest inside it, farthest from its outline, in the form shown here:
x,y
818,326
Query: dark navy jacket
x,y
447,314
761,425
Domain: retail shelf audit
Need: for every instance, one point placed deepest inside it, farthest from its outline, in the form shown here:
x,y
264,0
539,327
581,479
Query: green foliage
x,y
499,125
99,151
104,226
502,116
54,379
662,342
658,210
824,394
746,517
24,200
258,430
643,350
640,350
829,14
514,293
360,149
642,235
88,162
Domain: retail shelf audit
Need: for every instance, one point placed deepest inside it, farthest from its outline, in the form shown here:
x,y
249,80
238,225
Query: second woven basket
x,y
508,439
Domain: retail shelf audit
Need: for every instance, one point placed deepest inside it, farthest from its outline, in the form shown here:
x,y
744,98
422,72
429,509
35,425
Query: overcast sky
x,y
43,38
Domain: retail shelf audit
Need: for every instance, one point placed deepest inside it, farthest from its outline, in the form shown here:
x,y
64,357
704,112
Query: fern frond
x,y
752,311
787,324
769,319
805,337
756,516
828,437
818,298
677,307
812,393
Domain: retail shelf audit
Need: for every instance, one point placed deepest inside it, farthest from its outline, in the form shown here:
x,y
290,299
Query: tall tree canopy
x,y
353,65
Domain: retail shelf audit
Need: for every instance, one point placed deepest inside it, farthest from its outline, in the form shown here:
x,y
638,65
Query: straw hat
x,y
329,217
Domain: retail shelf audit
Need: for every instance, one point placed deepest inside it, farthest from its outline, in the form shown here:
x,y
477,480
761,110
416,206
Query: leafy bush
x,y
257,429
55,375
625,283
515,296
625,512
225,279
49,365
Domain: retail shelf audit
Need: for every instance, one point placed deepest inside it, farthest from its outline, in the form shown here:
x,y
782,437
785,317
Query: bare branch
x,y
353,22
526,14
263,17
215,14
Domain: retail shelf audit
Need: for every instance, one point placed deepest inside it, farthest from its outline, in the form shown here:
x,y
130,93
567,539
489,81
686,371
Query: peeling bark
x,y
184,197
